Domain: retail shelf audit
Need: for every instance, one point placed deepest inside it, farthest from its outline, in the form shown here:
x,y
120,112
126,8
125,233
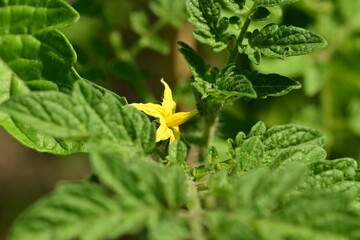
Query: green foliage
x,y
268,184
285,41
206,16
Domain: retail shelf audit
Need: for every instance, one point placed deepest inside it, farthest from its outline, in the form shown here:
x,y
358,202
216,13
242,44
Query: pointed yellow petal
x,y
168,103
163,132
151,109
179,118
176,133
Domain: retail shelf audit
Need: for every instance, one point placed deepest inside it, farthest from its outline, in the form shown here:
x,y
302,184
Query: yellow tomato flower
x,y
168,119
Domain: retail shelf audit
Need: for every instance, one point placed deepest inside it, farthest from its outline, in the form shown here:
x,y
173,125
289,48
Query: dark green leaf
x,y
272,3
286,41
211,28
235,5
260,14
197,66
273,85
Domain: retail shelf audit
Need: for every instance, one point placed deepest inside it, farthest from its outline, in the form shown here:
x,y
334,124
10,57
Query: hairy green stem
x,y
234,51
210,112
195,212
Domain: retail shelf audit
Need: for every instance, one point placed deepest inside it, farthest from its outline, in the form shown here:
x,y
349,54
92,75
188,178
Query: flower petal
x,y
176,134
163,132
154,110
179,118
168,103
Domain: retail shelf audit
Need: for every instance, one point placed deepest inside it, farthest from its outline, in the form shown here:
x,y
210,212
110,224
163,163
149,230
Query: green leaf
x,y
347,165
254,55
272,85
137,180
76,210
177,152
156,43
231,84
201,171
260,14
329,212
302,154
139,22
250,154
196,64
162,8
87,113
235,5
212,155
211,28
284,136
28,16
35,56
285,41
258,129
272,3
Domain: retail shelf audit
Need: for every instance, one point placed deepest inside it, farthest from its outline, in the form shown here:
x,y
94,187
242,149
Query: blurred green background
x,y
128,45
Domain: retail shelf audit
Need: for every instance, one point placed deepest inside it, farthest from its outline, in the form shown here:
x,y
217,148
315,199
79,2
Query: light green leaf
x,y
177,152
347,165
272,3
284,136
35,56
162,8
319,210
302,154
250,154
212,155
258,129
354,115
201,171
139,22
272,85
87,113
136,179
76,210
156,43
29,16
285,41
